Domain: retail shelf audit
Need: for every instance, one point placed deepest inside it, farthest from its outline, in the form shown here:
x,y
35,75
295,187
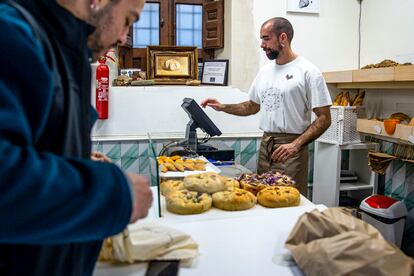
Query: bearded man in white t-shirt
x,y
285,92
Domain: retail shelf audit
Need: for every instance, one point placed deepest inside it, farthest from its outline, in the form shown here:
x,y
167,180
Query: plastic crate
x,y
343,129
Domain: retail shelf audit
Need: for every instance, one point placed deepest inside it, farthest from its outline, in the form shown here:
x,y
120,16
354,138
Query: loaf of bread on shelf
x,y
345,101
400,116
359,99
338,99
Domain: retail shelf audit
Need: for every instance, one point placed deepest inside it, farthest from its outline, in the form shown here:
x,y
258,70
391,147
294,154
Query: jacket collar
x,y
68,29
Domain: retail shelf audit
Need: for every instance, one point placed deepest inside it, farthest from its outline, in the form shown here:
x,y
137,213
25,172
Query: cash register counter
x,y
249,242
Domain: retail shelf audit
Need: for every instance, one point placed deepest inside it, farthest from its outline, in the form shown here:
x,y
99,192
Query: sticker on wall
x,y
306,6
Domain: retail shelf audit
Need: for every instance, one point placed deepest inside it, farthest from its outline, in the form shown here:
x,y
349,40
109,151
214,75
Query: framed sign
x,y
172,64
200,70
305,6
215,72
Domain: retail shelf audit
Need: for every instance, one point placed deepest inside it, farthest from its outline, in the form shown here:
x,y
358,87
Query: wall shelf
x,y
399,77
355,186
402,132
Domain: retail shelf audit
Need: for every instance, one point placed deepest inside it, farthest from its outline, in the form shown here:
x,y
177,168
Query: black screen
x,y
199,117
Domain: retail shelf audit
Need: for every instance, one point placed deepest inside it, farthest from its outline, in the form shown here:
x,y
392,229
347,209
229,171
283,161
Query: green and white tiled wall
x,y
135,156
399,184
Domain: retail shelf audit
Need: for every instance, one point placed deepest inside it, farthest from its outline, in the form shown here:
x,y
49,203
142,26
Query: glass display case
x,y
154,171
227,174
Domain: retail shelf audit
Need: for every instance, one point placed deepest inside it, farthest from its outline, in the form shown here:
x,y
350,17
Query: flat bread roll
x,y
170,186
230,183
234,200
184,202
256,182
253,187
279,196
209,182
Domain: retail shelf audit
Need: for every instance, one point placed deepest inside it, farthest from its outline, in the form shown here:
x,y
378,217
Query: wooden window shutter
x,y
130,38
124,57
213,23
125,51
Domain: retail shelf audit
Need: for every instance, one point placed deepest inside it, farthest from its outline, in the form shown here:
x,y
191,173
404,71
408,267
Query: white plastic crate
x,y
343,129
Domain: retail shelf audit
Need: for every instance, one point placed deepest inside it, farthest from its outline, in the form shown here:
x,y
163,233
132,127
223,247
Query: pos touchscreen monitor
x,y
198,119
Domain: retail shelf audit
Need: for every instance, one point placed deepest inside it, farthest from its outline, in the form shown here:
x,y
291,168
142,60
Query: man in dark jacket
x,y
56,205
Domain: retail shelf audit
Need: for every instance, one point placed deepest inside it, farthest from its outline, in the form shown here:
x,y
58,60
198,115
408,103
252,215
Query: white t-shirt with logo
x,y
287,94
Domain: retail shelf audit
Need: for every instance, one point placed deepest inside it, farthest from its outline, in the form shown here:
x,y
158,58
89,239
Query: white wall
x,y
328,39
387,31
136,111
240,40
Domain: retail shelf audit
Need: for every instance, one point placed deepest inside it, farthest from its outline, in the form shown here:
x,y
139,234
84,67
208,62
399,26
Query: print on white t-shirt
x,y
272,98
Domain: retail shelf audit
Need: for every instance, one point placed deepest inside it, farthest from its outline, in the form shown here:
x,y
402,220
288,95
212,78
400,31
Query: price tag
x,y
411,139
377,129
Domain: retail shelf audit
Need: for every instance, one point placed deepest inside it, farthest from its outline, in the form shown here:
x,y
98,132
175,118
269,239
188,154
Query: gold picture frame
x,y
172,64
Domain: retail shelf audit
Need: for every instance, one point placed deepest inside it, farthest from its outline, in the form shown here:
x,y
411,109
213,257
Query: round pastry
x,y
231,183
234,200
185,202
253,187
278,196
209,182
170,186
256,182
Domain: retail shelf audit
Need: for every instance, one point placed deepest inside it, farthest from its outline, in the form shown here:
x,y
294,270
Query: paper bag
x,y
334,242
150,241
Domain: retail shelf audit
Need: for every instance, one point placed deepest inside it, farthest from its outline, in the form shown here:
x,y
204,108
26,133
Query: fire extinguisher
x,y
102,88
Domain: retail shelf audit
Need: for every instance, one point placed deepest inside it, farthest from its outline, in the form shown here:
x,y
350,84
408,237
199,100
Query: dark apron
x,y
295,167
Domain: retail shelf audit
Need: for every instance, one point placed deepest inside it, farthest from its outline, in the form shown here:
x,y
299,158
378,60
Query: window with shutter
x,y
175,23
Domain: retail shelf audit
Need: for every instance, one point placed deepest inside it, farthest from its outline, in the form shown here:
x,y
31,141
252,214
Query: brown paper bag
x,y
334,242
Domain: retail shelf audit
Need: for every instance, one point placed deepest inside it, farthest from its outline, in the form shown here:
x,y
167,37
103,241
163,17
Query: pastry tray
x,y
215,213
209,168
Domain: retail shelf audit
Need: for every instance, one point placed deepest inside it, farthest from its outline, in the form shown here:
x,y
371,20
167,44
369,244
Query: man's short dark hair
x,y
281,25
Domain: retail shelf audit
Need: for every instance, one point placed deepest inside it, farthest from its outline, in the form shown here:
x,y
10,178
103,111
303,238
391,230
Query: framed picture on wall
x,y
215,72
305,6
172,64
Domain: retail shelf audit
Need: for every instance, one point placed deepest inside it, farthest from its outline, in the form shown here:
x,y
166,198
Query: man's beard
x,y
101,20
273,54
95,46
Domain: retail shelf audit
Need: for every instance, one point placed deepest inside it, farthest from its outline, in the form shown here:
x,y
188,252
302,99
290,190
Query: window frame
x,y
130,57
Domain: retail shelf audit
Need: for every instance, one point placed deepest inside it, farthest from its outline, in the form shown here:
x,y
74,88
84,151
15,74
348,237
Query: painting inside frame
x,y
303,6
172,64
